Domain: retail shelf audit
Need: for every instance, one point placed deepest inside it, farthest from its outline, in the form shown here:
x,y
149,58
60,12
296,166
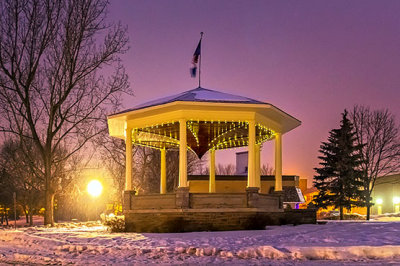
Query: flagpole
x,y
201,37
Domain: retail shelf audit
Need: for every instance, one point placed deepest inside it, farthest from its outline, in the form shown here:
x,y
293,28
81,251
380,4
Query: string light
x,y
224,134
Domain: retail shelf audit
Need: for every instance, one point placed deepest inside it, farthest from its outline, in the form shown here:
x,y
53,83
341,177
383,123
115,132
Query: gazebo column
x,y
278,162
163,174
182,154
182,193
211,188
258,169
251,168
128,162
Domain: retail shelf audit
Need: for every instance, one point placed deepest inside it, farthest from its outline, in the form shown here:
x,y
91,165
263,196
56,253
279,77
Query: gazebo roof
x,y
214,120
197,95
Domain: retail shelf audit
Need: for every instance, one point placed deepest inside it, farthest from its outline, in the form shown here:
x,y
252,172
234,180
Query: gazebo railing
x,y
186,200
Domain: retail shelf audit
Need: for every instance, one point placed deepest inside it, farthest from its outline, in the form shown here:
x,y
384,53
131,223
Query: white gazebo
x,y
200,120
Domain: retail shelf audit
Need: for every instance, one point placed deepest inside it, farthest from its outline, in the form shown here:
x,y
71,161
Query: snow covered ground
x,y
334,243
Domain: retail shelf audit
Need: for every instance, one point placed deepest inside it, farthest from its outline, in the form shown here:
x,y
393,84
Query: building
x,y
241,162
386,195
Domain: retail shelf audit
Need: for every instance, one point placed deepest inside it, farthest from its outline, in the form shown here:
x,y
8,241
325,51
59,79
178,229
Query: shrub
x,y
114,223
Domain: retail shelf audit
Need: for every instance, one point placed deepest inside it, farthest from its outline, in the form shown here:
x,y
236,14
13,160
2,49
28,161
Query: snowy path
x,y
334,243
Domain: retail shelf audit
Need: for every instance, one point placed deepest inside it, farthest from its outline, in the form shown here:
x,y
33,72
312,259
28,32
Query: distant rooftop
x,y
197,95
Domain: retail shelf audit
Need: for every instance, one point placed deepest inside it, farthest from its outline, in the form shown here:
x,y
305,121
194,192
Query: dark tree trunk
x,y
30,219
368,203
24,207
49,208
341,212
49,192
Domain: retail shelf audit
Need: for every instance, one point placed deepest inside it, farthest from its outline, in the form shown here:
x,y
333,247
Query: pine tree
x,y
338,180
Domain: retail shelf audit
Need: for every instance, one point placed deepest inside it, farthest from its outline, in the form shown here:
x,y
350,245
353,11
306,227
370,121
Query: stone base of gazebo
x,y
185,212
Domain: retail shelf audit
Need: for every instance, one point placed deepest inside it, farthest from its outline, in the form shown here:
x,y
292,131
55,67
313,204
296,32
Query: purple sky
x,y
310,58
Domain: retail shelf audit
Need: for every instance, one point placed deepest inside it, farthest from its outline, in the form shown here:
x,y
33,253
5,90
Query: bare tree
x,y
225,169
22,178
146,166
266,169
379,135
112,156
229,169
6,195
51,91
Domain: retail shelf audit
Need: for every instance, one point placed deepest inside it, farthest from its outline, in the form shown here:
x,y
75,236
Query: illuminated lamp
x,y
94,188
396,200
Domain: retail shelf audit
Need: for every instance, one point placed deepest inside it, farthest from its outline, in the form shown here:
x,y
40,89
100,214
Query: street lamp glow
x,y
396,200
379,201
94,188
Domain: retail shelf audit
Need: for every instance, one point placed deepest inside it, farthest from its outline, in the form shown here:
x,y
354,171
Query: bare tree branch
x,y
378,133
55,89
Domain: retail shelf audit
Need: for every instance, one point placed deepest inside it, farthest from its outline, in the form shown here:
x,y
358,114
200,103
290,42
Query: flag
x,y
195,60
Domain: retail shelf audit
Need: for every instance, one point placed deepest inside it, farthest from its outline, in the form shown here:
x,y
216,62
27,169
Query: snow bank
x,y
92,244
345,253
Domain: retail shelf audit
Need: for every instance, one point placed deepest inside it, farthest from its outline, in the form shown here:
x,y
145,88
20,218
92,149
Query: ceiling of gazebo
x,y
201,135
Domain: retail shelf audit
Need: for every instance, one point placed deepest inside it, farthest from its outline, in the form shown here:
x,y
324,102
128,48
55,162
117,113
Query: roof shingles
x,y
197,95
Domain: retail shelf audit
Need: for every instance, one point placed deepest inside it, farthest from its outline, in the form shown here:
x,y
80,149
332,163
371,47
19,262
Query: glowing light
x,y
379,201
396,200
94,188
225,135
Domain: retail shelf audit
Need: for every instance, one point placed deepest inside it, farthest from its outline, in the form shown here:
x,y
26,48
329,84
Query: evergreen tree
x,y
338,180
